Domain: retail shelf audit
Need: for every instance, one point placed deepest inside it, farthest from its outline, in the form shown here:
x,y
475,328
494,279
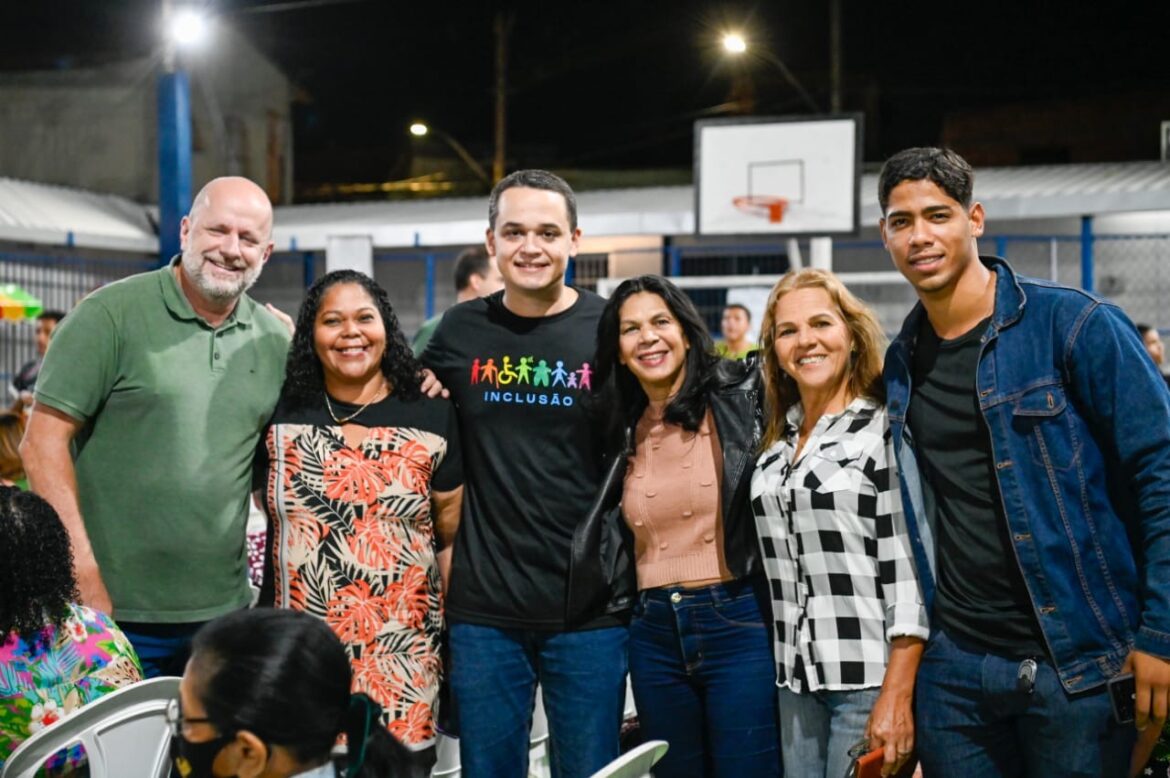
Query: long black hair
x,y
36,577
619,398
304,380
285,677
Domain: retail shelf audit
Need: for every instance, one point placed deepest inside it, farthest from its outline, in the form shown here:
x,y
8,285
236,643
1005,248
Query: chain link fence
x,y
1134,272
59,282
1131,270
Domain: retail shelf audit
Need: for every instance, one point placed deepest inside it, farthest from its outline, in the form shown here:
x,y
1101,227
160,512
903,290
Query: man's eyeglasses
x,y
176,719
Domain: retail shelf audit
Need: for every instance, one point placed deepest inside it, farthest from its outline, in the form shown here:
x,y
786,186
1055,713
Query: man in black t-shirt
x,y
517,364
1033,443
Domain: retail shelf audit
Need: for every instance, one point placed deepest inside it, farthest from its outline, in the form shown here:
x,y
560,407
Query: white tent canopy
x,y
59,216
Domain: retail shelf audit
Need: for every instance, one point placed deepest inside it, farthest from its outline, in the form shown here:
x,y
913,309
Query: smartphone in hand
x,y
1122,694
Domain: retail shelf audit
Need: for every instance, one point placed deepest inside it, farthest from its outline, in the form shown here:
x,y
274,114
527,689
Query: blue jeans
x,y
494,673
817,729
163,649
973,720
704,681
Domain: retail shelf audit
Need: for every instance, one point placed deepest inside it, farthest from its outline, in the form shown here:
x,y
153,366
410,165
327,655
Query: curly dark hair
x,y
304,380
36,577
618,396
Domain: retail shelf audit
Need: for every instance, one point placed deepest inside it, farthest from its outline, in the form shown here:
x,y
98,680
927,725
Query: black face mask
x,y
194,760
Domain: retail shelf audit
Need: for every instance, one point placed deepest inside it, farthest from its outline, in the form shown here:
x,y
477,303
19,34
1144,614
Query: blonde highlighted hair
x,y
866,336
11,431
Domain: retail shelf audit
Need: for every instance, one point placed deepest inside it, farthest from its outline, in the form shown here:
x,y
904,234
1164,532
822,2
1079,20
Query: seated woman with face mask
x,y
266,695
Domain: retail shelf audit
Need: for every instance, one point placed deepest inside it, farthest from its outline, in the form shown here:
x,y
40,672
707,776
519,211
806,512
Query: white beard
x,y
215,289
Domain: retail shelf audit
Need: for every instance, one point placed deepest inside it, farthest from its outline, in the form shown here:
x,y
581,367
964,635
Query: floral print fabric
x,y
353,543
64,668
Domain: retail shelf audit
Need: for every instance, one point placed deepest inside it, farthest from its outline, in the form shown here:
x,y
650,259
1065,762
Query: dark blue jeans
x,y
973,720
494,673
704,681
163,649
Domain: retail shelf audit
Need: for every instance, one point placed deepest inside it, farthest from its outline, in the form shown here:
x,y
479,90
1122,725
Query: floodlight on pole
x,y
421,129
188,28
734,43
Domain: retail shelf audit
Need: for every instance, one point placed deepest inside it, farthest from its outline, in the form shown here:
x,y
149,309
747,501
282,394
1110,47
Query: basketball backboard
x,y
783,176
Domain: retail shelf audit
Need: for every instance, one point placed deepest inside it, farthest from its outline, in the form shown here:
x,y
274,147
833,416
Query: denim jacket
x,y
1079,421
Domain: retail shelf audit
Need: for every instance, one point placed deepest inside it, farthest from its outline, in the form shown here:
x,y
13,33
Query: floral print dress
x,y
351,540
61,669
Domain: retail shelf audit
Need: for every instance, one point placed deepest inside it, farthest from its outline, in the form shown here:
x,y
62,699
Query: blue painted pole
x,y
674,267
308,268
429,303
1087,253
1001,247
570,271
174,160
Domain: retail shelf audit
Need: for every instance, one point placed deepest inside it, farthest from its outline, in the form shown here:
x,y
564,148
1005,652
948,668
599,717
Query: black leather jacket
x,y
601,564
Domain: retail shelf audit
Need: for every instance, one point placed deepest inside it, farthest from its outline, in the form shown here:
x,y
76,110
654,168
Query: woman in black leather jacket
x,y
674,520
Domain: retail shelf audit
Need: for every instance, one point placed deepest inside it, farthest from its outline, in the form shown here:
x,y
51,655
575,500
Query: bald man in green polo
x,y
149,405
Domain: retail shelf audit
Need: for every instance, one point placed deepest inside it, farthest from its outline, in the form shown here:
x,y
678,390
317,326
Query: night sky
x,y
619,84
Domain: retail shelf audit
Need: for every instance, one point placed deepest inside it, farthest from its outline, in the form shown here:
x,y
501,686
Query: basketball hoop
x,y
763,206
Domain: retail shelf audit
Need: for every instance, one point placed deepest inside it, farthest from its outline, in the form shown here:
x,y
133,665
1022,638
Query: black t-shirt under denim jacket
x,y
981,597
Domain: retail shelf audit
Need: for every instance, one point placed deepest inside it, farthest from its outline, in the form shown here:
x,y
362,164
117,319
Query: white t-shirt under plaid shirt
x,y
836,550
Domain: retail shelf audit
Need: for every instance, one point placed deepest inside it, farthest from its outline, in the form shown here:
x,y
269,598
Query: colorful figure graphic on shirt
x,y
489,371
572,382
586,376
560,373
540,376
475,371
507,374
524,370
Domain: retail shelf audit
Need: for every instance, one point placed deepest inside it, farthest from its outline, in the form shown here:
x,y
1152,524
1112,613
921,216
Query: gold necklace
x,y
356,413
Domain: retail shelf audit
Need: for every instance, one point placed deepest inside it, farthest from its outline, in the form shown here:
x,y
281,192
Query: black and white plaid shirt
x,y
836,550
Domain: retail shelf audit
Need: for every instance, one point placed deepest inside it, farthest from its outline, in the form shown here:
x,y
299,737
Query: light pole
x,y
183,28
422,129
736,45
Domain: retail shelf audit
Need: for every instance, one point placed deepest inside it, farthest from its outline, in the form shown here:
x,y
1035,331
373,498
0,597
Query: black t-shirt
x,y
981,596
531,456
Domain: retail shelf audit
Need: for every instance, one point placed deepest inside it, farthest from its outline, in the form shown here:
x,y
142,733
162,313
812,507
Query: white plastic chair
x,y
446,757
125,734
636,762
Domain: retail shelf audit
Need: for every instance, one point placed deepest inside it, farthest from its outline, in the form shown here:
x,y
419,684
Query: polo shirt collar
x,y
178,304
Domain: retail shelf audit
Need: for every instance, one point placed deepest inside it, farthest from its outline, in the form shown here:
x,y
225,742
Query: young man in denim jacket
x,y
1033,439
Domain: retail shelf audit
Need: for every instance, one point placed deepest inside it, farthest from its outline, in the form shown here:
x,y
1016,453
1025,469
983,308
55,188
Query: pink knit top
x,y
671,503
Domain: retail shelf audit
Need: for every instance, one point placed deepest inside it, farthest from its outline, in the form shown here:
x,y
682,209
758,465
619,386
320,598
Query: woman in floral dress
x,y
362,476
55,654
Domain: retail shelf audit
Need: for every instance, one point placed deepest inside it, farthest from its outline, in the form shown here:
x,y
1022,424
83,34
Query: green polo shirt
x,y
172,410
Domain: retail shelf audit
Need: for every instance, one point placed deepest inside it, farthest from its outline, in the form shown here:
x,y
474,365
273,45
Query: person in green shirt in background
x,y
736,326
476,275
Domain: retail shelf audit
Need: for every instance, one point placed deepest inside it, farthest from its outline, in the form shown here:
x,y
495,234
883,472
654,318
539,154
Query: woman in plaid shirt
x,y
850,620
